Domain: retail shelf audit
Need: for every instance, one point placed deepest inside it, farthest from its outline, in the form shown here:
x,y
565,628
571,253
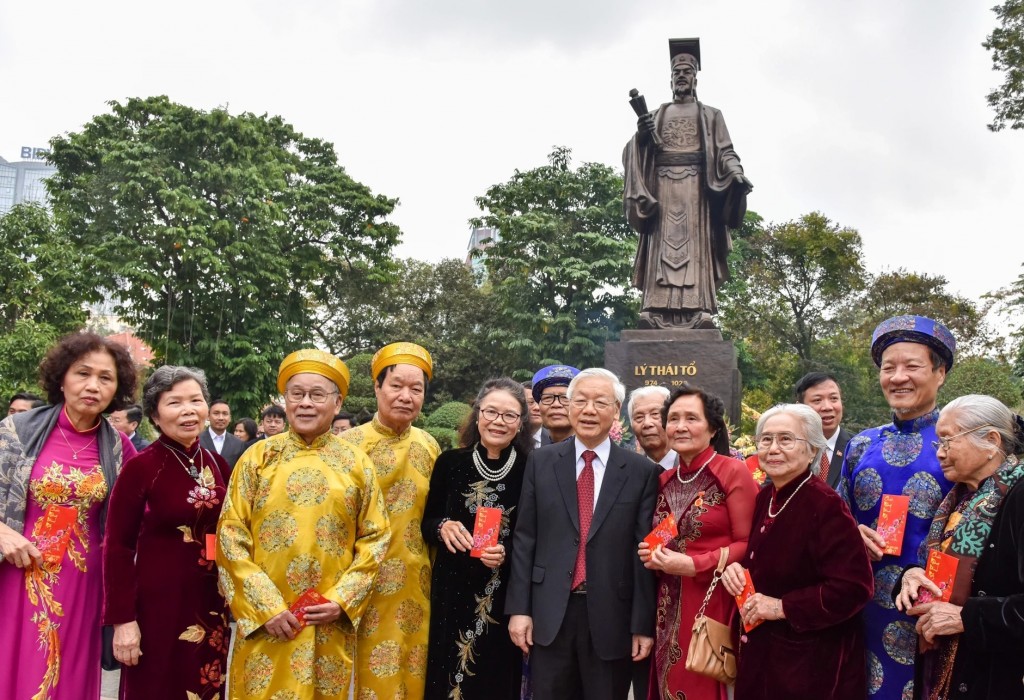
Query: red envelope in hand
x,y
663,533
892,522
310,597
748,590
53,532
941,570
485,530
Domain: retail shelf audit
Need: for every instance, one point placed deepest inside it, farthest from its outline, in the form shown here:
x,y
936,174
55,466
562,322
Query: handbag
x,y
107,660
711,651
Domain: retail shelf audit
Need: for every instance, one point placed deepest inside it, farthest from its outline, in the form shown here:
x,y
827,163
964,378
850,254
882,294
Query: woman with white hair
x,y
973,645
809,570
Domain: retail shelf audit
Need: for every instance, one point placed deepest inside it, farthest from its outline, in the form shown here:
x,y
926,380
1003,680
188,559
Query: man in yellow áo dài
x,y
303,512
391,660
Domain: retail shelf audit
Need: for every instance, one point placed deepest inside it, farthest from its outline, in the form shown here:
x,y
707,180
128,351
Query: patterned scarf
x,y
961,528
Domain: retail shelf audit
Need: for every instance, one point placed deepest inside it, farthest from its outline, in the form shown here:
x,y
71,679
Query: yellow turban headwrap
x,y
402,354
313,362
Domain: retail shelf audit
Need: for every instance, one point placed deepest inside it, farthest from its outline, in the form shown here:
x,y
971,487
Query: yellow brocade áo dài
x,y
297,517
391,657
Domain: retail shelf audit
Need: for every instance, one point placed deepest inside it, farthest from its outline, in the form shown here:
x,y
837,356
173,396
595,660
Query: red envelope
x,y
53,532
211,547
663,533
485,530
310,597
748,590
941,570
892,522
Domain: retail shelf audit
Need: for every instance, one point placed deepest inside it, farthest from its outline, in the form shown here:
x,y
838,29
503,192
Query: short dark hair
x,y
133,413
24,396
383,374
273,410
166,378
345,415
470,433
220,400
74,347
811,380
249,425
714,414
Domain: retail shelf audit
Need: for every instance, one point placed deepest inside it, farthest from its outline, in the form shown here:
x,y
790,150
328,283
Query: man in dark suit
x,y
128,421
821,391
217,438
579,599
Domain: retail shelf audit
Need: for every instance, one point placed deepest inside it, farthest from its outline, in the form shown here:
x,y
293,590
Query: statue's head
x,y
685,55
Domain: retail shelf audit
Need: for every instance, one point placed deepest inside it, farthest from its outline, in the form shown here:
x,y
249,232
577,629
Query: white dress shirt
x,y
830,445
218,440
599,464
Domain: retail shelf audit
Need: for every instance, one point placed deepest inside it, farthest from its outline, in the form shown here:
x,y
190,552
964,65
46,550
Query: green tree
x,y
796,278
561,264
41,293
216,233
438,306
903,292
1006,42
982,375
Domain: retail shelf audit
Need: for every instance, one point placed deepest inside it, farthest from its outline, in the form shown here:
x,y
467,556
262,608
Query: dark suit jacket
x,y
232,450
835,468
138,442
620,591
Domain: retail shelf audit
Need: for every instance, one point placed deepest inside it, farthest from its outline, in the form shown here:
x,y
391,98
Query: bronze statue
x,y
684,190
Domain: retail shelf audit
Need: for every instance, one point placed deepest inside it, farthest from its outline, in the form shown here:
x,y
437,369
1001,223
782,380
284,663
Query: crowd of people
x,y
309,556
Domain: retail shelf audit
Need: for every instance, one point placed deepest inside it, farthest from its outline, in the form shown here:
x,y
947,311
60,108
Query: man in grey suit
x,y
579,599
821,391
218,438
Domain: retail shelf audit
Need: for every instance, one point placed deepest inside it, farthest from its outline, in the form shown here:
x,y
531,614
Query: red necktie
x,y
585,503
824,465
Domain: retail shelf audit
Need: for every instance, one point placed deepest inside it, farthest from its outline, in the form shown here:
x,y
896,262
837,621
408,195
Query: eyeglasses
x,y
943,442
506,417
315,395
786,441
549,400
601,405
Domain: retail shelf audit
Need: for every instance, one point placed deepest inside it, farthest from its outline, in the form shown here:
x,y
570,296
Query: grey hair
x,y
810,421
164,379
645,391
976,411
599,373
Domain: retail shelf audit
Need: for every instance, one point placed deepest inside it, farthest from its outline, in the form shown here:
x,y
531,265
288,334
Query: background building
x,y
22,181
480,239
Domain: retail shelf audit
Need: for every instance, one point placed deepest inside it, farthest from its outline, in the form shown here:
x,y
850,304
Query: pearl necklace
x,y
80,450
488,473
679,470
771,501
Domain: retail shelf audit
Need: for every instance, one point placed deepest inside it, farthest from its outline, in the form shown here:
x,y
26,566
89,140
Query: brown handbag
x,y
711,652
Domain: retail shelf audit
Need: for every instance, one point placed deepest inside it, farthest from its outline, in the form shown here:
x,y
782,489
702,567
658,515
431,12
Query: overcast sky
x,y
870,112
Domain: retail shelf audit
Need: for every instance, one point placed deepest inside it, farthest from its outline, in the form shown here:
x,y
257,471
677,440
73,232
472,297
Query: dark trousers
x,y
570,669
642,677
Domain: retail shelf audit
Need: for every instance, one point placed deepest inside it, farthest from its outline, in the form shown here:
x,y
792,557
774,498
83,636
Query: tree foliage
x,y
437,305
1006,42
42,295
797,276
215,232
981,375
561,265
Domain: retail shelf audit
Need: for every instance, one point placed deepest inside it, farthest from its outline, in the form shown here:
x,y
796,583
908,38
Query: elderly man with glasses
x,y
550,385
301,540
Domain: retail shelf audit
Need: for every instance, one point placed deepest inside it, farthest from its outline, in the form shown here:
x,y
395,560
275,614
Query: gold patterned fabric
x,y
296,517
391,657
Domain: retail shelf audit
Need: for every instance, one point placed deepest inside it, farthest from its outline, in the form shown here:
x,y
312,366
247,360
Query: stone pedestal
x,y
670,357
